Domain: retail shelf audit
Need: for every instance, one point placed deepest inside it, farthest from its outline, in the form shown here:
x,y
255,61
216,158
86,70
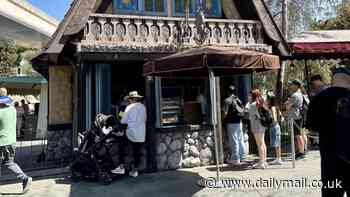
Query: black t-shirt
x,y
323,117
232,106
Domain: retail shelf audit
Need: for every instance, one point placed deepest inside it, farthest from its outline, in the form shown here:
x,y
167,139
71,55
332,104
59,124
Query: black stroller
x,y
93,160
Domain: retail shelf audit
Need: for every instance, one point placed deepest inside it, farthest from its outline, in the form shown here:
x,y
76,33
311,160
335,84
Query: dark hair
x,y
316,78
272,100
232,89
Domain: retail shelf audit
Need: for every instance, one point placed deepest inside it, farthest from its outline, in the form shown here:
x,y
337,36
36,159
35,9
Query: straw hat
x,y
134,94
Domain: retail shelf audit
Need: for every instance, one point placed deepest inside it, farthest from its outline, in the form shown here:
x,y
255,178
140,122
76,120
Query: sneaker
x,y
259,165
300,156
26,184
118,170
134,173
266,165
276,162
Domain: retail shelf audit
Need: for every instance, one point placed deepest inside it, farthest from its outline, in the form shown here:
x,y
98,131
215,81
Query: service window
x,y
183,101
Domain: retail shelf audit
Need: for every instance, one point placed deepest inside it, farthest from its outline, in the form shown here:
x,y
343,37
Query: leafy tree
x,y
13,57
8,56
340,21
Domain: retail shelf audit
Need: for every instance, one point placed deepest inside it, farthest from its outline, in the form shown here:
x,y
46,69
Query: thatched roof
x,y
80,10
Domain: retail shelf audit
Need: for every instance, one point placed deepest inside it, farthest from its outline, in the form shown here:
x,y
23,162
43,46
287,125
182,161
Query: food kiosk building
x,y
97,54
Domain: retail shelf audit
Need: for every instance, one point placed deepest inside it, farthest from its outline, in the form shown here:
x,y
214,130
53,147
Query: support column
x,y
59,134
219,128
151,138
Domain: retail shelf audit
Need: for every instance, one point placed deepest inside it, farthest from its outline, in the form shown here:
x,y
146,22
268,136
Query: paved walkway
x,y
183,183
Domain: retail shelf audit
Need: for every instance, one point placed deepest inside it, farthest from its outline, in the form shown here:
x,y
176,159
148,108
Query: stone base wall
x,y
184,148
59,145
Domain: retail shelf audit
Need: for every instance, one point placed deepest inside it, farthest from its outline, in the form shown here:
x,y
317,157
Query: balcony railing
x,y
150,31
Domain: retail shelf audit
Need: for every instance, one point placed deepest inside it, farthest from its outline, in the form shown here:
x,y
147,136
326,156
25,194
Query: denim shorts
x,y
275,136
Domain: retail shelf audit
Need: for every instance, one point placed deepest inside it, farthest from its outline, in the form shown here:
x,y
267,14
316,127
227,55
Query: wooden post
x,y
280,84
151,139
280,79
214,120
307,76
285,18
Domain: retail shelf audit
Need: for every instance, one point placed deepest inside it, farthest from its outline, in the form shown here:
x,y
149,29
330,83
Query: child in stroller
x,y
92,157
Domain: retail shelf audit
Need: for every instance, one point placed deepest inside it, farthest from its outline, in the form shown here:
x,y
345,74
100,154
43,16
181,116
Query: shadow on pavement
x,y
11,194
164,184
231,168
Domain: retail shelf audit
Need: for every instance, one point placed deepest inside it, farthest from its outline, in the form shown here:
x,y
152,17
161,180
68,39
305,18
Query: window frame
x,y
159,102
193,12
141,9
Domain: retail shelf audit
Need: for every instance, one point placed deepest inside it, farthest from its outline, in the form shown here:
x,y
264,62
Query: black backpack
x,y
236,110
304,108
266,118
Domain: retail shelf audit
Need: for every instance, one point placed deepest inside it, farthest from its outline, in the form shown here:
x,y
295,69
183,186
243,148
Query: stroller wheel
x,y
104,178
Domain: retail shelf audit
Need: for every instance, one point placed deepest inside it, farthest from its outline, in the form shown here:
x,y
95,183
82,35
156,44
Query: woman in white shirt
x,y
135,117
256,128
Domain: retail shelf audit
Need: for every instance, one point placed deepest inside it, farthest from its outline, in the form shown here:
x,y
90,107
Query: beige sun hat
x,y
134,94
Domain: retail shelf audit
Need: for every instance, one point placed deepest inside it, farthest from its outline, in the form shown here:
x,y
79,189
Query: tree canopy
x,y
339,22
13,57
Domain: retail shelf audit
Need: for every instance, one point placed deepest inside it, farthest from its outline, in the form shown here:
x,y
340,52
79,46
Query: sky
x,y
54,8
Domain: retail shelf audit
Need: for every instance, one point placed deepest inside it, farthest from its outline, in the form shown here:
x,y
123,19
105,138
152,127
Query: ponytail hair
x,y
256,96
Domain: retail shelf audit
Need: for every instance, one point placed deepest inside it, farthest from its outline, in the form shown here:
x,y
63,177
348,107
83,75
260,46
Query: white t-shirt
x,y
135,117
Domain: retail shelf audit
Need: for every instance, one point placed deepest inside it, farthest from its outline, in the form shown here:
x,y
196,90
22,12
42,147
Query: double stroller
x,y
92,158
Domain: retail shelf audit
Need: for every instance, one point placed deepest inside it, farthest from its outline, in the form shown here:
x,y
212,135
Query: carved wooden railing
x,y
151,31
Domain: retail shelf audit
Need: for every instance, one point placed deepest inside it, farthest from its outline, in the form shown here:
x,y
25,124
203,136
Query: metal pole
x,y
214,120
291,127
219,118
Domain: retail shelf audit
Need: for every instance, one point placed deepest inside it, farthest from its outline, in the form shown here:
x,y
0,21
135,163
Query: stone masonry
x,y
185,149
59,145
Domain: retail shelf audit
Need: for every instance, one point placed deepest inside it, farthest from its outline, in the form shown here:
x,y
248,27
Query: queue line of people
x,y
264,115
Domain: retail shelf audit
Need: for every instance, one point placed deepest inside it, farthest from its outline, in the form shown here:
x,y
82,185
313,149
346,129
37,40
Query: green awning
x,y
22,80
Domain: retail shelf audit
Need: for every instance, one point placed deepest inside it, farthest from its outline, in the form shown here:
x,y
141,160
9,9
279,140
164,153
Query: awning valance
x,y
321,44
223,61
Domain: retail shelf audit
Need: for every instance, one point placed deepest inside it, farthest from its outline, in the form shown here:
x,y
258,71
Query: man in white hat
x,y
8,139
135,117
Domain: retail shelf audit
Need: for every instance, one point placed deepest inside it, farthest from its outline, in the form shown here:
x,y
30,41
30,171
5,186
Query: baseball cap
x,y
5,100
296,82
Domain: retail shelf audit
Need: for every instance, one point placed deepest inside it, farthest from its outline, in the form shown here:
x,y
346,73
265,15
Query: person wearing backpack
x,y
295,113
256,110
233,114
275,134
329,115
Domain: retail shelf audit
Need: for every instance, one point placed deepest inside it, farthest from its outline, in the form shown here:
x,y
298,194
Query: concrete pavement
x,y
183,183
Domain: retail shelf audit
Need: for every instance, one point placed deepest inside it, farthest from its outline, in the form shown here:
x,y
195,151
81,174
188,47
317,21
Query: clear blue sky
x,y
54,8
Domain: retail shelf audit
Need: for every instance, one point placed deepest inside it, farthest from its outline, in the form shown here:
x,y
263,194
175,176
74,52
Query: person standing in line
x,y
8,140
294,114
275,135
233,114
135,118
329,115
318,85
257,128
19,122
